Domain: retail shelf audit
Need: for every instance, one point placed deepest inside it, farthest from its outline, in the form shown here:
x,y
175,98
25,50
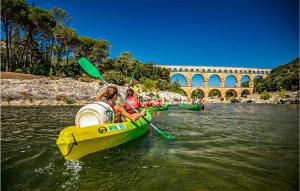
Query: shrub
x,y
163,84
69,101
265,95
148,84
115,77
244,95
281,93
19,70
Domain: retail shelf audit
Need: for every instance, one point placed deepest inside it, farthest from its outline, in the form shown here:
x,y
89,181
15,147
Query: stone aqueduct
x,y
222,72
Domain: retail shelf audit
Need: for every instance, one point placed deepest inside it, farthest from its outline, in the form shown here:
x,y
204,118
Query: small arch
x,y
192,70
230,81
220,71
249,71
225,71
214,81
180,70
209,70
202,70
197,70
235,71
245,72
214,71
197,80
175,70
198,93
262,72
241,71
230,71
258,72
267,72
231,93
180,79
186,70
214,93
253,72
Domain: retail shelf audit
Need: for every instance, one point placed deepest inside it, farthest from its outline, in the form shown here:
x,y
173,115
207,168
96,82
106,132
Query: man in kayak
x,y
110,96
131,97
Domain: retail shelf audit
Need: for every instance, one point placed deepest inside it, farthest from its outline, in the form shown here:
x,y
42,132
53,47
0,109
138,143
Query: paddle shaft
x,y
132,76
133,108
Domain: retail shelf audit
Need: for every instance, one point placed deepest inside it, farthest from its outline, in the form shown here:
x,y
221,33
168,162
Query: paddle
x,y
135,69
94,72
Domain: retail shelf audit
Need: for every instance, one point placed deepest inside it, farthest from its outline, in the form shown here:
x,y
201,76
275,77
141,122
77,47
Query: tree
x,y
12,13
115,77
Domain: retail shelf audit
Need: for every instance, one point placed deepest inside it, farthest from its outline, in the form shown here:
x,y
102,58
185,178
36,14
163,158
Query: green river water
x,y
225,147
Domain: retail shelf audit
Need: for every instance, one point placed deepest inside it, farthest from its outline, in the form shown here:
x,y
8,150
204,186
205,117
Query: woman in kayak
x,y
110,95
131,97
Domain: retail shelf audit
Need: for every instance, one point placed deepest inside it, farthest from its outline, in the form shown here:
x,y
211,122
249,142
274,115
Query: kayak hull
x,y
75,143
164,107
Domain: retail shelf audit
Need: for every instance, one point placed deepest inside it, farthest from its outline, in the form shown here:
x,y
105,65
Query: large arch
x,y
214,81
230,81
215,93
197,80
198,93
231,93
245,79
181,79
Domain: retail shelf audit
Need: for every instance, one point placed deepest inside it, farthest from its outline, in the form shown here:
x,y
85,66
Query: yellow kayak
x,y
75,143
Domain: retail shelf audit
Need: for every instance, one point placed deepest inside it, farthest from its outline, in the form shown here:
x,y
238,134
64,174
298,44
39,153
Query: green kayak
x,y
194,107
182,105
164,107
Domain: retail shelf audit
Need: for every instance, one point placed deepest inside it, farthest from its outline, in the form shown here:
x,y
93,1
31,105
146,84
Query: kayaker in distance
x,y
148,103
131,97
110,95
157,103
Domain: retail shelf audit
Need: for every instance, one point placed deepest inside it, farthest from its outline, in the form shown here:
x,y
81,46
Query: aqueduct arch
x,y
222,72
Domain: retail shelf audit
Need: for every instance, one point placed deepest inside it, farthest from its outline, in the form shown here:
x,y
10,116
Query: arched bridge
x,y
206,72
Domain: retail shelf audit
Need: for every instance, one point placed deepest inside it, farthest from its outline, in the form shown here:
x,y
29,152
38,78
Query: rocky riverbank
x,y
67,91
63,91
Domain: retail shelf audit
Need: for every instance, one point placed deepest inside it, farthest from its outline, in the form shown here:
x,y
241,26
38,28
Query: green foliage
x,y
282,93
163,84
197,93
149,85
115,77
283,77
244,95
213,93
19,70
265,95
245,84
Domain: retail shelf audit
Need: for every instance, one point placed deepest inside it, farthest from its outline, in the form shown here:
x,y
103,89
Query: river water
x,y
225,147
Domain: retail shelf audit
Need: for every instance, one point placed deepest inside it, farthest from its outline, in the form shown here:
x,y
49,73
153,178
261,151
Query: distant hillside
x,y
283,77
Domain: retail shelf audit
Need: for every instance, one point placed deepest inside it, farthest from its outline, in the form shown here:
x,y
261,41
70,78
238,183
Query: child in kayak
x,y
133,100
110,95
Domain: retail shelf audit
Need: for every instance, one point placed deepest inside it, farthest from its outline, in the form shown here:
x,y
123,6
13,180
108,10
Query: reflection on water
x,y
225,147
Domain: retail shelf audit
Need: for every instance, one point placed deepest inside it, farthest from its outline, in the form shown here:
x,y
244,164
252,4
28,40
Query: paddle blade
x,y
89,68
162,133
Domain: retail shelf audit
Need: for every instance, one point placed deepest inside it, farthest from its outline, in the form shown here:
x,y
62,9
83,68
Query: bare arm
x,y
132,117
99,96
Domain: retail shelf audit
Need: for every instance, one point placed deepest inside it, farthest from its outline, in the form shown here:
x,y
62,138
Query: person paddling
x,y
110,95
148,103
157,103
133,100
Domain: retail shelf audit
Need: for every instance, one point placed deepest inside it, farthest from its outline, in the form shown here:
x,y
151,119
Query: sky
x,y
238,33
